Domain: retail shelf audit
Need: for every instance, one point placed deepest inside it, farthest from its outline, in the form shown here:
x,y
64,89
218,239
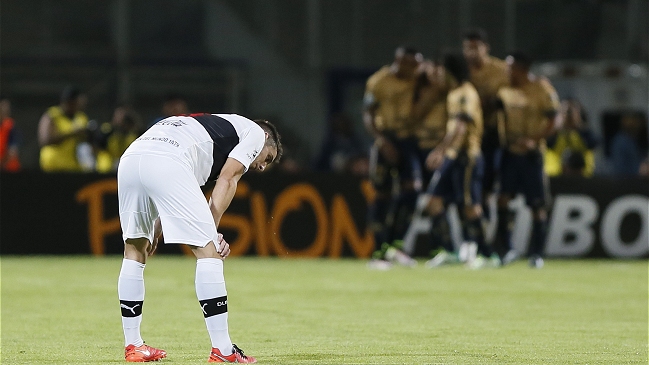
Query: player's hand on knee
x,y
222,247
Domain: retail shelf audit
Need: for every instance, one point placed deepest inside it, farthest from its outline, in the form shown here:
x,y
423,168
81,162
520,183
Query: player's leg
x,y
472,213
381,178
410,185
137,215
186,219
508,187
491,154
440,191
535,183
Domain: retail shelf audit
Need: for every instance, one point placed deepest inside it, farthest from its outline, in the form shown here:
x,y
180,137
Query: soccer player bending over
x,y
159,183
459,165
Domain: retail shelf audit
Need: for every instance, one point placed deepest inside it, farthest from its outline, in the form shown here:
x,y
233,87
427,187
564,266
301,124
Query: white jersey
x,y
203,142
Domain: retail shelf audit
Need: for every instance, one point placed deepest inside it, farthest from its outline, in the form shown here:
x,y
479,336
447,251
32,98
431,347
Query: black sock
x,y
377,215
404,209
502,242
539,232
441,233
473,232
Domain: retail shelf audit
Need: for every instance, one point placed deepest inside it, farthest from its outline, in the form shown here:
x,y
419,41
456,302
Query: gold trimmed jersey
x,y
463,103
527,111
488,80
393,99
432,128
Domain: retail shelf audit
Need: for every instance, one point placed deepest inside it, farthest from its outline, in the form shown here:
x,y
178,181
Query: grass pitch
x,y
64,310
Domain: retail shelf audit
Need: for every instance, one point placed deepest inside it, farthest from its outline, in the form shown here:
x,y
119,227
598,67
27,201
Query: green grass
x,y
64,310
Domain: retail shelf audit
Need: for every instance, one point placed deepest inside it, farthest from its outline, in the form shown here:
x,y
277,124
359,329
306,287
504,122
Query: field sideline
x,y
64,310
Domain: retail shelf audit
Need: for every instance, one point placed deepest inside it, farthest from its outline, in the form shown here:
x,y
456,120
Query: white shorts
x,y
152,186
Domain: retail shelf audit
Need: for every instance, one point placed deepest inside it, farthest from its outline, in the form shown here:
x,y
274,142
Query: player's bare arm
x,y
48,134
454,136
157,233
386,148
225,187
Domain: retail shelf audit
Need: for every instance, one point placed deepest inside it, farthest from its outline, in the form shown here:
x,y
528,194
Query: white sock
x,y
212,296
130,288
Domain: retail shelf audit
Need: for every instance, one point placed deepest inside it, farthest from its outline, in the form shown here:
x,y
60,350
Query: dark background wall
x,y
271,58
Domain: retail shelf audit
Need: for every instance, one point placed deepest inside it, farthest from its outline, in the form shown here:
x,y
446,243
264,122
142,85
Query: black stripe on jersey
x,y
224,136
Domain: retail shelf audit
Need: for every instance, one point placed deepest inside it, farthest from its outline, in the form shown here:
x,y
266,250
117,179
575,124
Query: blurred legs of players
x,y
391,211
502,241
522,174
539,233
440,234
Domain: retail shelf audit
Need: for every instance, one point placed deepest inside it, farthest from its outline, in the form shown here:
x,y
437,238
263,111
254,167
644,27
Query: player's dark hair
x,y
275,138
172,96
70,93
456,65
408,50
476,34
522,59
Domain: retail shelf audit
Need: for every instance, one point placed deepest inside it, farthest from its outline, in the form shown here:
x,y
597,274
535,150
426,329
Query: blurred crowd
x,y
71,141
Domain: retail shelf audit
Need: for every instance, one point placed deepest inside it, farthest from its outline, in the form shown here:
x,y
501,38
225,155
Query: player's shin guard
x,y
473,231
539,233
212,297
130,289
441,233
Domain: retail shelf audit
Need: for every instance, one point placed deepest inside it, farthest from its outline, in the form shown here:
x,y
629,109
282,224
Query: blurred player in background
x,y
159,183
458,162
61,130
393,162
528,109
430,116
488,74
8,139
429,112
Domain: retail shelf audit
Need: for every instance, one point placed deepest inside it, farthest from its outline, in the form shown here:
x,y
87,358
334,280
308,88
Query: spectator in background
x,y
111,139
626,154
573,144
173,104
61,131
8,139
573,164
341,149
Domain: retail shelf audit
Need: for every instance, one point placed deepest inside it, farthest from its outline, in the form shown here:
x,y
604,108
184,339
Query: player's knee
x,y
540,214
503,201
136,249
209,251
473,212
435,206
